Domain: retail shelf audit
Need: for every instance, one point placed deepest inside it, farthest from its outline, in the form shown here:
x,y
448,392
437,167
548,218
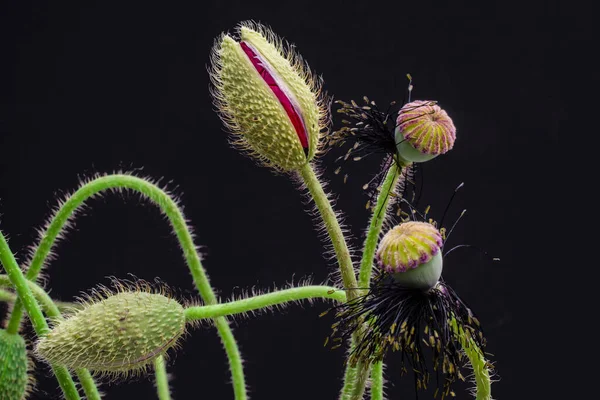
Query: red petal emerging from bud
x,y
284,96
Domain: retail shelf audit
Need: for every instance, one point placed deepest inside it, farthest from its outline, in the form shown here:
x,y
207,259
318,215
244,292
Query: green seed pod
x,y
267,97
423,131
14,381
122,333
411,253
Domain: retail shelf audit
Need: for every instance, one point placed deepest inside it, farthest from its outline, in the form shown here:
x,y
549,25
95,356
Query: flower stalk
x,y
38,321
161,379
170,208
264,301
333,229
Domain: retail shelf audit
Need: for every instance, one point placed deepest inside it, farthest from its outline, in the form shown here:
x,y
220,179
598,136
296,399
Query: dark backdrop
x,y
93,87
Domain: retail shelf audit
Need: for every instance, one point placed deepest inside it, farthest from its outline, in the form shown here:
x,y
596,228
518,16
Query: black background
x,y
93,88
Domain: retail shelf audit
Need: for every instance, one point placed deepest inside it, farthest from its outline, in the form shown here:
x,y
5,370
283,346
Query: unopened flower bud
x,y
267,97
411,252
14,380
122,333
423,131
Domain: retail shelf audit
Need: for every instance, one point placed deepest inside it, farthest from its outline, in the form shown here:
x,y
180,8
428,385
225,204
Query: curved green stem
x,y
16,277
169,207
52,311
333,228
379,215
161,379
377,381
263,301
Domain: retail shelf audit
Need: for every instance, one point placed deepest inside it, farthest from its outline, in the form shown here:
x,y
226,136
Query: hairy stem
x,y
87,383
362,376
49,306
169,207
333,228
161,379
480,371
16,277
359,377
264,301
480,365
9,297
52,311
349,380
379,215
377,381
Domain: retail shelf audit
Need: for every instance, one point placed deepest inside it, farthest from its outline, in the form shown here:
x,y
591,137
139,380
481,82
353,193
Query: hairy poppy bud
x,y
267,97
122,333
411,252
14,380
423,131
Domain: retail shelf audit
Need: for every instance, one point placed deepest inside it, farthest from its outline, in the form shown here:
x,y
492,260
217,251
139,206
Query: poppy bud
x,y
267,97
122,333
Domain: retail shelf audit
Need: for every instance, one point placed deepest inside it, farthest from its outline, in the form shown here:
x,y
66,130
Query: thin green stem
x,y
169,207
16,277
87,383
349,380
359,376
9,297
43,299
333,228
52,311
377,381
379,215
161,379
263,301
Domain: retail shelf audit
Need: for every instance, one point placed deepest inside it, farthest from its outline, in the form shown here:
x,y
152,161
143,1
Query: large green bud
x,y
14,381
122,333
267,97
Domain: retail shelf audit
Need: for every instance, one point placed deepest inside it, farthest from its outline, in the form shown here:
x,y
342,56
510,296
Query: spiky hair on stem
x,y
267,97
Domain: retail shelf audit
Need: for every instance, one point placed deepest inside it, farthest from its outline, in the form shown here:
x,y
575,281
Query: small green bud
x,y
122,333
267,97
14,381
423,131
411,253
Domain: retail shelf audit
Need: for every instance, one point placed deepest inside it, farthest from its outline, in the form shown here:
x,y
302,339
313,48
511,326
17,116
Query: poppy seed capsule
x,y
122,333
267,97
411,253
14,380
423,131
